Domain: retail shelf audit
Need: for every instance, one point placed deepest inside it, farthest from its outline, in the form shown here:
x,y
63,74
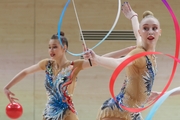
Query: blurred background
x,y
27,25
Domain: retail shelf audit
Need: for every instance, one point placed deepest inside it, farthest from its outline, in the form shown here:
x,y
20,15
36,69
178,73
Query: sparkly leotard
x,y
59,96
135,91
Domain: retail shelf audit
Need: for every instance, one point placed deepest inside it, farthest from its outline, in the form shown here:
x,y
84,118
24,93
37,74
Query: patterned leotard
x,y
59,101
134,92
56,105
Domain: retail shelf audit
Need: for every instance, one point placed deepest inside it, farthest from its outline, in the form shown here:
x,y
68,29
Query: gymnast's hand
x,y
9,95
89,54
127,11
153,96
130,48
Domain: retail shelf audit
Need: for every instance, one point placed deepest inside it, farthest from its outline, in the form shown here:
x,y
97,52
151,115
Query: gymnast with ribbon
x,y
140,73
61,75
162,96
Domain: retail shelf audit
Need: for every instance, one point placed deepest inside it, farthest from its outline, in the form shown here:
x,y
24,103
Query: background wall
x,y
26,27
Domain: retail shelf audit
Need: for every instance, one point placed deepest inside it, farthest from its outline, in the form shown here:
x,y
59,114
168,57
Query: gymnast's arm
x,y
114,54
135,25
110,63
131,15
107,62
155,94
19,77
119,53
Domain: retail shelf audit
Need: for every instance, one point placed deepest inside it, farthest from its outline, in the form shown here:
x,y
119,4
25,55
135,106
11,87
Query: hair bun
x,y
147,13
61,33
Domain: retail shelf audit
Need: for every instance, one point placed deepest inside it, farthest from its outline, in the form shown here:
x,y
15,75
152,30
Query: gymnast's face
x,y
150,31
55,49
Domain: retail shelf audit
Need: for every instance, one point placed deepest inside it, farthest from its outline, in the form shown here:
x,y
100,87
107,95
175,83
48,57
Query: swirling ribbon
x,y
60,23
165,96
130,59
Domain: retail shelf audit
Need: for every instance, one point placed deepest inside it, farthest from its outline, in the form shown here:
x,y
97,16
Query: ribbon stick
x,y
84,43
79,23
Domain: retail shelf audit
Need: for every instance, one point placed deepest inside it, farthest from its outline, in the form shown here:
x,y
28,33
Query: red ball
x,y
14,110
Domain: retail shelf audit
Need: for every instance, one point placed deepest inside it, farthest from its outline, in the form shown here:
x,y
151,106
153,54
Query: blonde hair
x,y
148,14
